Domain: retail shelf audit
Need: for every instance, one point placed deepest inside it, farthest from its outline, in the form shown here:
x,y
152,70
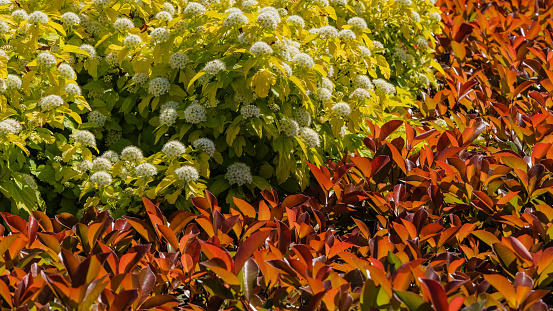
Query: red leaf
x,y
437,294
323,181
247,248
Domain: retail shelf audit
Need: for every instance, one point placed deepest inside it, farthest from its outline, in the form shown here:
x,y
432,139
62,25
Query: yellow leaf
x,y
262,81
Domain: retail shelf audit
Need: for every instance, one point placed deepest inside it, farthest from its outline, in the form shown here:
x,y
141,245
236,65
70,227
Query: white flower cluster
x,y
435,16
324,95
214,67
328,32
66,72
236,19
296,21
101,179
131,154
164,16
404,2
206,145
341,109
20,15
72,89
384,86
38,17
303,117
303,60
158,86
360,94
250,111
422,41
70,19
86,138
187,173
122,24
347,35
111,155
84,166
195,114
357,23
239,174
132,41
101,164
268,17
29,180
97,118
160,34
168,116
145,170
261,47
10,125
178,61
310,137
13,82
400,54
195,9
362,81
173,149
50,101
140,78
289,127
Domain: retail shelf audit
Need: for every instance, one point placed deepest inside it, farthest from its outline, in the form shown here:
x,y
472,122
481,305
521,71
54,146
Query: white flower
x,y
168,116
50,101
89,49
158,86
357,23
310,137
101,164
400,53
423,79
4,54
86,138
178,61
131,154
327,84
422,41
101,179
296,20
145,170
324,95
38,17
339,2
249,4
173,148
6,128
416,17
377,45
303,117
206,145
195,114
168,7
66,72
187,173
122,24
289,127
94,28
347,35
112,59
72,89
169,105
303,60
341,109
29,180
343,131
360,94
13,82
160,34
236,19
164,16
97,118
111,155
21,15
195,9
3,86
45,59
384,86
250,111
70,19
214,67
84,166
435,16
314,31
101,3
269,19
404,2
362,81
243,38
261,47
238,174
16,126
132,41
328,32
365,51
140,78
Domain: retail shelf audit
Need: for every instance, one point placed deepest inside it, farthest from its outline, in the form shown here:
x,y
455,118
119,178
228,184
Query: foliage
x,y
236,75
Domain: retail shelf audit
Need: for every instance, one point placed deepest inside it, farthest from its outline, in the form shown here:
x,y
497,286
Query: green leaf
x,y
261,183
413,301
